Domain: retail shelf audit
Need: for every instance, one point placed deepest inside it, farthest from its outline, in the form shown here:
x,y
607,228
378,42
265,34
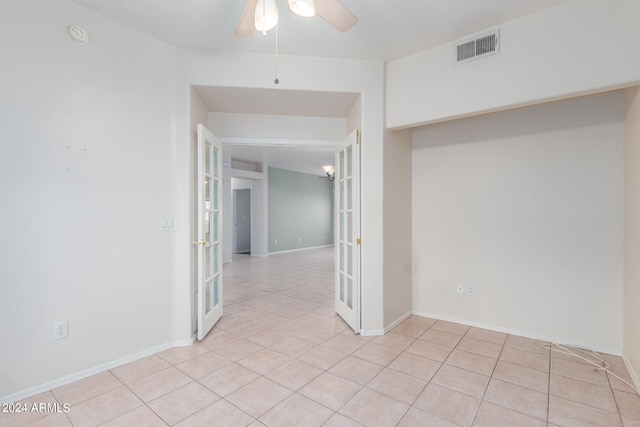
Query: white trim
x,y
378,332
521,333
632,372
279,142
185,343
371,332
33,391
398,321
300,249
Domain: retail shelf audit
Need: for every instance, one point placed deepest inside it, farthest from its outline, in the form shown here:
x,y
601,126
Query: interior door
x,y
209,231
347,223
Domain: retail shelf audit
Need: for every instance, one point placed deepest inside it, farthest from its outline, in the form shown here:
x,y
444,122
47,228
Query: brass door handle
x,y
201,243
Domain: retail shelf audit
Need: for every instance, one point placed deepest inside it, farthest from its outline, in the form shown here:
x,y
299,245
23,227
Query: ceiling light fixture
x,y
305,8
330,171
266,15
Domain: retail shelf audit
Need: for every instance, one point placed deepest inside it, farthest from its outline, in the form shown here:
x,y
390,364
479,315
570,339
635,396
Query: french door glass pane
x,y
214,227
348,300
215,187
342,288
205,225
214,257
347,166
208,296
341,163
342,248
349,256
349,203
207,193
215,160
207,157
208,261
348,226
216,290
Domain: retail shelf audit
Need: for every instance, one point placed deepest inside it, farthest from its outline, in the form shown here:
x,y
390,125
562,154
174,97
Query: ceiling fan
x,y
262,15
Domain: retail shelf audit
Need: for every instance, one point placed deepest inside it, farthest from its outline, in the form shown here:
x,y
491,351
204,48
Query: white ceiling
x,y
387,30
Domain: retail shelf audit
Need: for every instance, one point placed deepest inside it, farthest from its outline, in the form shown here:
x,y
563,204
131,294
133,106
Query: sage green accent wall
x,y
300,210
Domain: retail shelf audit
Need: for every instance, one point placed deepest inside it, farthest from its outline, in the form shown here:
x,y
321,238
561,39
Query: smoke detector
x,y
77,34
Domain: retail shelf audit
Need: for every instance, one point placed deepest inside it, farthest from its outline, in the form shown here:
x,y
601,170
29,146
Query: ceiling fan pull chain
x,y
264,18
276,81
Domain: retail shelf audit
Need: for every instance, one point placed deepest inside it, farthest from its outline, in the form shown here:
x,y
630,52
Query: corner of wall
x,y
631,292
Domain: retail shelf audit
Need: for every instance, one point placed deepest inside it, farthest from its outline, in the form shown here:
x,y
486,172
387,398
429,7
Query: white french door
x,y
209,239
347,230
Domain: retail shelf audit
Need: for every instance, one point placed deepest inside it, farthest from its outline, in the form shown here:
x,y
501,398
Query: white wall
x,y
354,117
632,232
397,227
297,73
576,48
85,177
527,206
277,127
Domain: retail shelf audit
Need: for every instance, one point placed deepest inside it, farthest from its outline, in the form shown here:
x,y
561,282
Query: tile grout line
x,y
549,391
490,378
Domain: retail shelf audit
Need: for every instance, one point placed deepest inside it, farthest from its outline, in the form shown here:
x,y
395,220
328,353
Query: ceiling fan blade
x,y
336,14
247,25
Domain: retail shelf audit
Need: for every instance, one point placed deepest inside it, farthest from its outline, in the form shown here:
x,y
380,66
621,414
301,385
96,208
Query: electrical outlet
x,y
60,330
471,290
460,289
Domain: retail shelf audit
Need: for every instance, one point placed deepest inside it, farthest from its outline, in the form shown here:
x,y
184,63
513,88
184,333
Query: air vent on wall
x,y
472,48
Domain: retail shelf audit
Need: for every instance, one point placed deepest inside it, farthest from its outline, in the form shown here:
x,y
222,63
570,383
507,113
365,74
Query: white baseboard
x,y
378,332
371,332
300,249
33,391
398,321
525,334
185,343
632,371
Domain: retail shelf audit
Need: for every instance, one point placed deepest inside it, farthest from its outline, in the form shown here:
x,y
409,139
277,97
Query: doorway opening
x,y
242,221
298,132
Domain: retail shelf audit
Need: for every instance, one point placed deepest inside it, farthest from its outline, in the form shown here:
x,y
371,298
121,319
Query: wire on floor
x,y
591,357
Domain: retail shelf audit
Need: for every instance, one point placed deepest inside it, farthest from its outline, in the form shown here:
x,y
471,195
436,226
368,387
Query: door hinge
x,y
358,241
358,136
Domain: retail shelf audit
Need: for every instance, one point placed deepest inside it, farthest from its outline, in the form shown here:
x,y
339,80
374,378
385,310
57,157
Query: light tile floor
x,y
281,357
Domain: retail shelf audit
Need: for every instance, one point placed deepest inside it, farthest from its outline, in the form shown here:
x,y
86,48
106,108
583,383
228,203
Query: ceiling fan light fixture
x,y
266,15
305,8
